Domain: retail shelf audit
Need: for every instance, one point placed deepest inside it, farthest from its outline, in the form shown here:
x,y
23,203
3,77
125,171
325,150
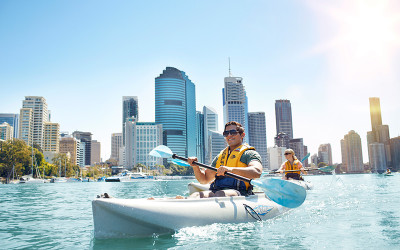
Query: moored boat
x,y
116,218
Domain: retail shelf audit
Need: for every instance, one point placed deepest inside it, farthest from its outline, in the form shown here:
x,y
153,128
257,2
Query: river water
x,y
341,212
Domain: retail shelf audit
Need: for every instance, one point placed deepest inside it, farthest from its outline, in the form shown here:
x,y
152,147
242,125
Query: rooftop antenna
x,y
230,73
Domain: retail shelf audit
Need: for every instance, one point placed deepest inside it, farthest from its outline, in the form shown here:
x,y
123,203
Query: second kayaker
x,y
237,158
292,166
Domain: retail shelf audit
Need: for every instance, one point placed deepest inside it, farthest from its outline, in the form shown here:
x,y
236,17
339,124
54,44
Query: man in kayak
x,y
292,166
237,158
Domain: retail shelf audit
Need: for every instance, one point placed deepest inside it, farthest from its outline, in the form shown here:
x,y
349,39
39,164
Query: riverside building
x,y
26,126
116,144
12,120
352,158
86,138
95,153
130,108
40,116
210,124
175,110
6,131
258,135
141,138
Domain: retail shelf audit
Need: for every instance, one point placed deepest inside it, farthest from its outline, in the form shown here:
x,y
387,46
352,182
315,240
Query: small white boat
x,y
127,176
117,218
28,179
58,180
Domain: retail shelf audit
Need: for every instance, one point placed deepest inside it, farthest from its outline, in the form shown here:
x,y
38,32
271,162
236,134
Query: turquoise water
x,y
341,212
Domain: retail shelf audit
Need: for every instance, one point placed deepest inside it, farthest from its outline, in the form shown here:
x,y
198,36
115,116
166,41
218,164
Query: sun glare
x,y
361,39
371,28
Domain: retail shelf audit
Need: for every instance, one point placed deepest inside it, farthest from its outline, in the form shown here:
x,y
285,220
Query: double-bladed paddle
x,y
283,192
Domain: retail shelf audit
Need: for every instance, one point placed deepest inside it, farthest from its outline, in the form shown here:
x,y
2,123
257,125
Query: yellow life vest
x,y
295,166
234,158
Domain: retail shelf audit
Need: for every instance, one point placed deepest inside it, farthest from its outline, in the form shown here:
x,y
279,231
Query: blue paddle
x,y
284,193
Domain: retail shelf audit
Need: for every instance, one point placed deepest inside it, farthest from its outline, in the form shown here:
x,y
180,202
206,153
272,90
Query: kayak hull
x,y
120,218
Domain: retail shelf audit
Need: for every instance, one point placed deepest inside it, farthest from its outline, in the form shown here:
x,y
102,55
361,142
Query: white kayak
x,y
119,218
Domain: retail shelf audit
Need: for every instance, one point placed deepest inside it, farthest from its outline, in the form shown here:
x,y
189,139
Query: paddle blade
x,y
283,192
180,163
161,151
305,157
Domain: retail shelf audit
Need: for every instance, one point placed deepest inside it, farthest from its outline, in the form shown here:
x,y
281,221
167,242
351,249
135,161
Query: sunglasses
x,y
288,153
232,132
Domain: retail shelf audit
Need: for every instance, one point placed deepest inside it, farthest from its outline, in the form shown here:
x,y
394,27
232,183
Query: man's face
x,y
232,139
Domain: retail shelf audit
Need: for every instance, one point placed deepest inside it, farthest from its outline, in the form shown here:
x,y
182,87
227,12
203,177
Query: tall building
x,y
283,115
40,116
85,137
282,140
210,124
116,143
200,149
325,153
95,153
6,131
12,120
258,135
395,153
51,137
141,138
175,110
26,126
352,153
375,111
379,132
235,102
377,157
130,108
276,157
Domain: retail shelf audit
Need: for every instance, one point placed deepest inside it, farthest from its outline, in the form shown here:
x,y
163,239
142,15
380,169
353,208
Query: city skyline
x,y
327,76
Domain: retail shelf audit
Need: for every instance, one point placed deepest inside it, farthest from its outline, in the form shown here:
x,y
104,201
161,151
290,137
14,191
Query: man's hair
x,y
239,127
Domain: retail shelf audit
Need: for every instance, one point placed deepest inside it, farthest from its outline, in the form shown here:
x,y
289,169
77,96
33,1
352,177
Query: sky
x,y
326,57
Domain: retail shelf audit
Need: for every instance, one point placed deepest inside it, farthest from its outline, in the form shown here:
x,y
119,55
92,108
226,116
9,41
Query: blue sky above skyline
x,y
326,58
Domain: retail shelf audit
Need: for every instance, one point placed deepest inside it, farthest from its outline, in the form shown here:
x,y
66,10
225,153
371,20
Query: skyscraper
x,y
175,109
130,108
375,111
12,120
283,115
258,135
40,116
235,102
379,133
352,153
210,124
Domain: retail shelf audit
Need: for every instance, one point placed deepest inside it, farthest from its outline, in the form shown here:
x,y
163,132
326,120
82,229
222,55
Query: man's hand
x,y
223,169
191,160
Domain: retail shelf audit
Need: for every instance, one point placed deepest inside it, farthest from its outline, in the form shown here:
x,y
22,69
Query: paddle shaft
x,y
212,168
